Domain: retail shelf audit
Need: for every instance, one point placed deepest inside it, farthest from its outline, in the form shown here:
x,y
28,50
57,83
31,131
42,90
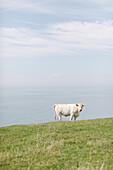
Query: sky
x,y
56,43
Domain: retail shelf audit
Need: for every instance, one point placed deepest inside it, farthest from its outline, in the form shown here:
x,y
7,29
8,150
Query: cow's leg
x,y
59,117
74,118
71,117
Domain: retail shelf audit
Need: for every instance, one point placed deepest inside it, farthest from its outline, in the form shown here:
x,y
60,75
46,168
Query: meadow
x,y
81,145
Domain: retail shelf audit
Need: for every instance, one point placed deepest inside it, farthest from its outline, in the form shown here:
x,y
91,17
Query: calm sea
x,y
35,105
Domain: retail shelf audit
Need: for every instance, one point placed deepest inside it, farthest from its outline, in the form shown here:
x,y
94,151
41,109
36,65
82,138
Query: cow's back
x,y
64,109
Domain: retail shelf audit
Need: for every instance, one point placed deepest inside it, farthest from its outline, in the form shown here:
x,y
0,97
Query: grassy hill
x,y
86,144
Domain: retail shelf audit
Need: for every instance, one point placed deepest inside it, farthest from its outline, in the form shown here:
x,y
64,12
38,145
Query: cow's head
x,y
79,107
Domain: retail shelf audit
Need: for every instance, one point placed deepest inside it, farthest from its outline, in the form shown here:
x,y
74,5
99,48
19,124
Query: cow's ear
x,y
83,105
76,104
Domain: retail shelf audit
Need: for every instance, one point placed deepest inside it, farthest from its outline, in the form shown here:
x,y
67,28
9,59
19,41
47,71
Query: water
x,y
35,105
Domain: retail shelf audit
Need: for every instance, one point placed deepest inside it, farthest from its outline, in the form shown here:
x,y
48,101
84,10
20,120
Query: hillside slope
x,y
58,145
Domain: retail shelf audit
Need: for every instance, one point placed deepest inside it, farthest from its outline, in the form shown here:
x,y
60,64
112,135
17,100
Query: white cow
x,y
72,110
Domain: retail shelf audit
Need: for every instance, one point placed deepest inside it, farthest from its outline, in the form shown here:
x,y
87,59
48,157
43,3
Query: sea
x,y
28,105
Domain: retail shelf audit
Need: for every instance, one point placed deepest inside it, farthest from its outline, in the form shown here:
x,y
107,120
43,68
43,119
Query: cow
x,y
72,110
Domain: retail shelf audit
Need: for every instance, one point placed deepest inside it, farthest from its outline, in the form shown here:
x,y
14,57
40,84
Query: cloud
x,y
31,6
57,7
85,35
27,22
57,39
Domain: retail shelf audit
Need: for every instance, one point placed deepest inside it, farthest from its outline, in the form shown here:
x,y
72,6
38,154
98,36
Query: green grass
x,y
86,144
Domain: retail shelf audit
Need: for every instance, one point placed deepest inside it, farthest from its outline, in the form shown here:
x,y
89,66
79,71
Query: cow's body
x,y
72,110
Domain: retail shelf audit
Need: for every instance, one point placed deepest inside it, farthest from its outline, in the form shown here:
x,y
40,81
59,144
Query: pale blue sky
x,y
56,43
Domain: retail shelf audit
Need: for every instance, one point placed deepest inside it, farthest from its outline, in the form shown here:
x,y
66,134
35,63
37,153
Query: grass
x,y
81,145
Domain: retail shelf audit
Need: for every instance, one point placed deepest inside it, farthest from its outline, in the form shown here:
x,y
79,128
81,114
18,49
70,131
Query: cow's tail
x,y
54,112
